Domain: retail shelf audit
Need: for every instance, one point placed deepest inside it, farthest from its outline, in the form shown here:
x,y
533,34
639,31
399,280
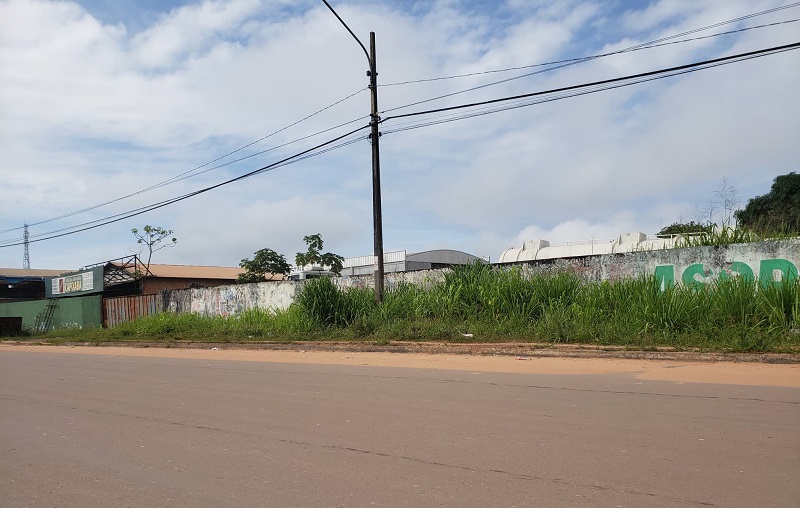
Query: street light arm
x,y
351,33
375,136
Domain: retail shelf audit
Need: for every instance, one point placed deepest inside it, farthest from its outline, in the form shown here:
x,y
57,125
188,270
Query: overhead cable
x,y
568,63
673,70
194,172
648,45
305,154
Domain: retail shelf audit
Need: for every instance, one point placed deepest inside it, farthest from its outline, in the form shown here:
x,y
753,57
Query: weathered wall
x,y
73,312
767,261
391,280
774,260
152,285
228,300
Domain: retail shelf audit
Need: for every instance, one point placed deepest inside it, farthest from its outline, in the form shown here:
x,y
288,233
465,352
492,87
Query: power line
x,y
565,92
571,62
194,172
541,96
146,208
489,110
640,77
670,70
305,154
586,58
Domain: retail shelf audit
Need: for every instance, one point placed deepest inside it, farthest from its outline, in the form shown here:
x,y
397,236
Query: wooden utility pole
x,y
375,136
375,120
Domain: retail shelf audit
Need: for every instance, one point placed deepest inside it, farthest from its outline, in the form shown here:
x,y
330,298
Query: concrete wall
x,y
73,312
768,261
152,285
228,300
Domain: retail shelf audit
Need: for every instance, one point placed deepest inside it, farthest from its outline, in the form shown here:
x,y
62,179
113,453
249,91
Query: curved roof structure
x,y
401,261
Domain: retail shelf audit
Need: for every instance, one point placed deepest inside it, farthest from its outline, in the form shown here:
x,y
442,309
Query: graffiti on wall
x,y
770,271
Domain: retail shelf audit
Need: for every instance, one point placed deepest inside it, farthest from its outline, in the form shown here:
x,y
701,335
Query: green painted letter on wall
x,y
786,271
737,267
665,275
690,278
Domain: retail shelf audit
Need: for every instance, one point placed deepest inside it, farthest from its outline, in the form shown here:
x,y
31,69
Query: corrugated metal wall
x,y
127,308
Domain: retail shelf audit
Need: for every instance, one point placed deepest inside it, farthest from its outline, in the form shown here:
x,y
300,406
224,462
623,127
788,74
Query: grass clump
x,y
727,235
478,303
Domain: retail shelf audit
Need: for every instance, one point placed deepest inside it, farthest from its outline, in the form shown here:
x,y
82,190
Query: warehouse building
x,y
401,261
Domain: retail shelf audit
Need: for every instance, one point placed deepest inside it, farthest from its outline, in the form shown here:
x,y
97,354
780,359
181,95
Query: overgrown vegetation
x,y
267,263
686,228
778,210
150,239
720,222
721,237
479,303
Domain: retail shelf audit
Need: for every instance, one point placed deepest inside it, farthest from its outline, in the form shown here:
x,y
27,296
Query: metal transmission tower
x,y
26,259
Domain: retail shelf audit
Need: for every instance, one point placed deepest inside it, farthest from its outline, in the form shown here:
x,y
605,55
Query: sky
x,y
130,103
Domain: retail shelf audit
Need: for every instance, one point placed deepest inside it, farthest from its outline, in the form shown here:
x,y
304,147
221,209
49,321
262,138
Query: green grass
x,y
727,236
480,304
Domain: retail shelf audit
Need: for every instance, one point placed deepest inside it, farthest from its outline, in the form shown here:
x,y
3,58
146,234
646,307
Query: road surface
x,y
100,428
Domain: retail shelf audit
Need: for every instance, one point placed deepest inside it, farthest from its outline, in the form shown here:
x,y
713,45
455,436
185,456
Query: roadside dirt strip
x,y
680,367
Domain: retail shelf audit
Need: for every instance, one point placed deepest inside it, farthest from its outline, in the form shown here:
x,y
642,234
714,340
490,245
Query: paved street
x,y
104,430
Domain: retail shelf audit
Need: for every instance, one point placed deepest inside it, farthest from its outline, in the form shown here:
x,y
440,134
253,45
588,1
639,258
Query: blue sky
x,y
101,99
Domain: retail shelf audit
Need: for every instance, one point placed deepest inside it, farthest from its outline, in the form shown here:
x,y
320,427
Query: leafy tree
x,y
778,210
150,239
314,256
265,261
683,228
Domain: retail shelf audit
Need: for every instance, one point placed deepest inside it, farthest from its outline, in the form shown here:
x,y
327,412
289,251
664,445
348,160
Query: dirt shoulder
x,y
681,367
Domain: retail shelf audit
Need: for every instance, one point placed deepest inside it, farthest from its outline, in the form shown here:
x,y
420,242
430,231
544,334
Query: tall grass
x,y
480,303
727,235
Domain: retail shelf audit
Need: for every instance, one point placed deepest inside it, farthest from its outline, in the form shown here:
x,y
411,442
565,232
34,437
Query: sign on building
x,y
73,284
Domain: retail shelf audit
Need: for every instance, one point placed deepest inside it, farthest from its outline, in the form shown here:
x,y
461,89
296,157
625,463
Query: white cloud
x,y
90,111
189,29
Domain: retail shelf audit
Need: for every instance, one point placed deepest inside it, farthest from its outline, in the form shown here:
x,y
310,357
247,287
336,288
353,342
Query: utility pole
x,y
377,215
375,136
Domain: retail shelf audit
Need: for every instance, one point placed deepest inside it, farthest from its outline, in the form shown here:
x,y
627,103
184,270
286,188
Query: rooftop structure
x,y
401,261
534,250
24,283
157,277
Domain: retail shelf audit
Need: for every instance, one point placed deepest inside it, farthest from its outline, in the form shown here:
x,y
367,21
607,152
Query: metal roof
x,y
31,272
196,272
17,275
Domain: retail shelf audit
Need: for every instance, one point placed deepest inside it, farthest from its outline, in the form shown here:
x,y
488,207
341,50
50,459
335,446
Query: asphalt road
x,y
91,431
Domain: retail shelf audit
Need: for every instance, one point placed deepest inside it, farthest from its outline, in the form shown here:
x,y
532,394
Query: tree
x,y
778,210
264,261
150,238
314,257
